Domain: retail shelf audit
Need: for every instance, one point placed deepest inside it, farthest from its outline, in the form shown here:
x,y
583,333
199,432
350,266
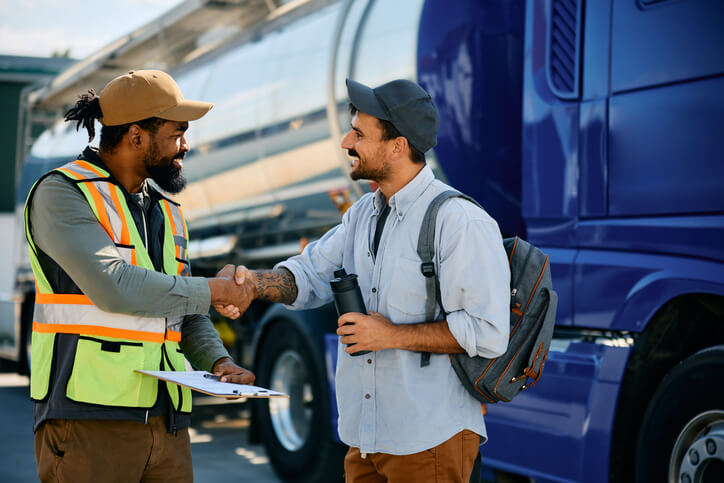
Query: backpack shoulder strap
x,y
426,251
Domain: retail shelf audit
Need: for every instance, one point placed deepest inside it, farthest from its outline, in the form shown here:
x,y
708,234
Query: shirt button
x,y
367,396
369,361
374,290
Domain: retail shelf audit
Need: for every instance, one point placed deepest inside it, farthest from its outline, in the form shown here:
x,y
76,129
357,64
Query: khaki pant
x,y
451,461
77,451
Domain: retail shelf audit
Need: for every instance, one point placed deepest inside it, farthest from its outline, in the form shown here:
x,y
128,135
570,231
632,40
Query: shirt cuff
x,y
461,328
468,330
199,295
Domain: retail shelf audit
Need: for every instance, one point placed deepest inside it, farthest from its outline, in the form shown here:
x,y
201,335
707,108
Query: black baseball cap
x,y
405,104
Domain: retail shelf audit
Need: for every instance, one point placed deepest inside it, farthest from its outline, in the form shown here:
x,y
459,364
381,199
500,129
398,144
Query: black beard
x,y
169,178
163,172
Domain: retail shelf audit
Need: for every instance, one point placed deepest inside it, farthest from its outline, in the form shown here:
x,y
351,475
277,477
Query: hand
x,y
227,271
373,332
230,311
245,288
230,372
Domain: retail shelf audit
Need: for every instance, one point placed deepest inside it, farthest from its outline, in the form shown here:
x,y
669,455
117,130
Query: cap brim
x,y
186,110
364,99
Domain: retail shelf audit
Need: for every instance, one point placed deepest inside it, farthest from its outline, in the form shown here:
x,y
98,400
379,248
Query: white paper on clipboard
x,y
205,382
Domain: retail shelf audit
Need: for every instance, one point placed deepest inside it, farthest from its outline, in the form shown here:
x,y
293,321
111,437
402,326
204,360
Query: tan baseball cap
x,y
141,94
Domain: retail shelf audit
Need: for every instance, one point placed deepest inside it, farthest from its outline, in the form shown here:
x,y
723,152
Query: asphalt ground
x,y
219,435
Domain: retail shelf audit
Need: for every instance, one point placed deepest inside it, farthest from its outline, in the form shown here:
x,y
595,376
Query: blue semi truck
x,y
594,129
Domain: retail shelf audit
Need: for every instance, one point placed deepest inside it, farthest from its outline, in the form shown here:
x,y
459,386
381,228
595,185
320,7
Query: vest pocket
x,y
103,372
180,395
40,364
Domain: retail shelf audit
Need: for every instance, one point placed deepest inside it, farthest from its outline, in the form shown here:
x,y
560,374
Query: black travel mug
x,y
347,297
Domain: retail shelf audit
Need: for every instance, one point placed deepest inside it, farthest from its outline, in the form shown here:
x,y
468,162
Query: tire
x,y
297,433
682,433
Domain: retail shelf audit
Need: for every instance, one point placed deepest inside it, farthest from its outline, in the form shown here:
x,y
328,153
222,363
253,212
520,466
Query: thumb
x,y
240,275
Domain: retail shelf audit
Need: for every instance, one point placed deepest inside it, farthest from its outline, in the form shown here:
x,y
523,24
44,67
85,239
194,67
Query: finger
x,y
245,377
240,274
348,317
345,330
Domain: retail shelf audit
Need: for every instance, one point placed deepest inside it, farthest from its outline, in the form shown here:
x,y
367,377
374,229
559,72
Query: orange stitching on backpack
x,y
515,244
497,383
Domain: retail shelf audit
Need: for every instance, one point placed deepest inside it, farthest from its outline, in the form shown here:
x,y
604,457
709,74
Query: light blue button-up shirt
x,y
387,403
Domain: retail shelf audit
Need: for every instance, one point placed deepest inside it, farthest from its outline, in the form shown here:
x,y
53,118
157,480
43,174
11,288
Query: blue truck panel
x,y
559,430
665,148
593,157
468,59
664,42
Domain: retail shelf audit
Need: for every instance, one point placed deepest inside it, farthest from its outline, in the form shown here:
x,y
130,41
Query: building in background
x,y
18,75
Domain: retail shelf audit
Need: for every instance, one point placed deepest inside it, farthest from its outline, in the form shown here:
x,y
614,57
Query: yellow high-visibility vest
x,y
110,346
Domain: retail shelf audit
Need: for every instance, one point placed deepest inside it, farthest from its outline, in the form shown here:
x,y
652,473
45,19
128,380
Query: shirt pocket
x,y
407,294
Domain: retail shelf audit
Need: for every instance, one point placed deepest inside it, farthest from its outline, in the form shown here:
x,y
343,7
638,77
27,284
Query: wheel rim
x,y
291,417
698,454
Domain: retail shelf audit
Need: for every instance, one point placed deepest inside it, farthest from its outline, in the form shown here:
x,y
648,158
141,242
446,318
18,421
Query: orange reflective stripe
x,y
125,237
90,167
72,174
133,257
100,331
173,336
169,215
63,298
101,209
180,268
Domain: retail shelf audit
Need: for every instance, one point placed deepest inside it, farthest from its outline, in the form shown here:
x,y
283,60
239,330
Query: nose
x,y
346,140
185,145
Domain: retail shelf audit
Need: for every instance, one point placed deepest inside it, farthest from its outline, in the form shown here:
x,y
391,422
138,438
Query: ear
x,y
136,136
400,146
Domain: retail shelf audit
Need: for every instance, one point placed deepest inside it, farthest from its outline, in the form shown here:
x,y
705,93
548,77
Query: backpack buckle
x,y
427,269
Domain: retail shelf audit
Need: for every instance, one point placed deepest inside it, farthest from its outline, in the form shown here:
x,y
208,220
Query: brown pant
x,y
451,461
69,450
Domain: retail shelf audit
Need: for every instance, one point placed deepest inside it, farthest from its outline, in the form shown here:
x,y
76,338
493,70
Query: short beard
x,y
363,172
162,170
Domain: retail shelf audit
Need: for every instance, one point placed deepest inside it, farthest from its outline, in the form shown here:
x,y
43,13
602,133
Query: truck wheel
x,y
296,432
682,435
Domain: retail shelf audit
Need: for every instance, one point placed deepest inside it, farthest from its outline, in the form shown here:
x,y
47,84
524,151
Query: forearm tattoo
x,y
276,286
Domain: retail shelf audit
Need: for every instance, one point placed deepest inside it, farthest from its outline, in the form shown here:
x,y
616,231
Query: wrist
x,y
254,280
219,290
394,336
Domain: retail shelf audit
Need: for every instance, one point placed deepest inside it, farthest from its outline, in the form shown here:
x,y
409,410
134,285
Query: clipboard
x,y
207,383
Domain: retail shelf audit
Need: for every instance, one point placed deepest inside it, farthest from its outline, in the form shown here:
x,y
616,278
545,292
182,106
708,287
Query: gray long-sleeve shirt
x,y
65,228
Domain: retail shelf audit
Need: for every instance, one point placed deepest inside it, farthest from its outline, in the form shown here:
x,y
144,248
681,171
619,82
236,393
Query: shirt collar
x,y
401,201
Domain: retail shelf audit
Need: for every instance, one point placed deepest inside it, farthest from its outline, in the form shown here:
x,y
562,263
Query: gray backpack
x,y
533,305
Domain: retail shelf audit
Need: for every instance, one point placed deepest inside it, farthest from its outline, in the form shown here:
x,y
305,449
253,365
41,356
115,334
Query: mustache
x,y
352,152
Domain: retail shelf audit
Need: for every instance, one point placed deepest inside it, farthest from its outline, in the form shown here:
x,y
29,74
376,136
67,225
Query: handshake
x,y
233,290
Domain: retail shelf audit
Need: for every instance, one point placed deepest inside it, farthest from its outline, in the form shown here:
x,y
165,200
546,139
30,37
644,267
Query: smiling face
x,y
163,158
370,153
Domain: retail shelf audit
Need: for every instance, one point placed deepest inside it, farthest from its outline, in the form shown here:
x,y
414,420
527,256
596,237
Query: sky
x,y
40,27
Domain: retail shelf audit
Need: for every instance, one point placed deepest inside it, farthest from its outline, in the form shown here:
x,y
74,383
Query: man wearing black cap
x,y
115,293
403,420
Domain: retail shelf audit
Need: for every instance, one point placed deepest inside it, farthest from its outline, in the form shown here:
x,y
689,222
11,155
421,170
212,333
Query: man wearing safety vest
x,y
114,293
